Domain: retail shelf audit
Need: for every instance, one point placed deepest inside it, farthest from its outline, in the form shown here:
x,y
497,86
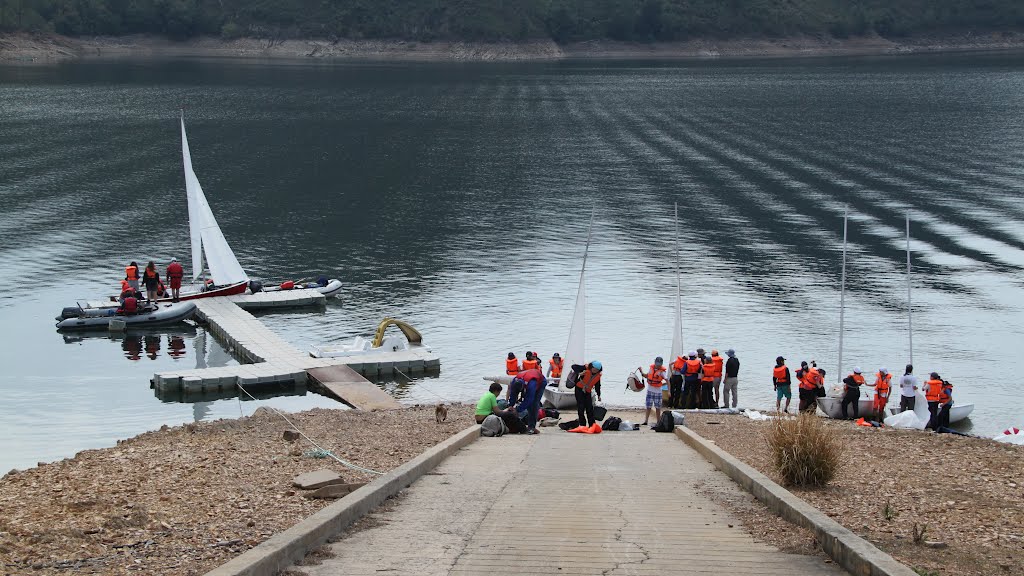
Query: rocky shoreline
x,y
51,48
183,500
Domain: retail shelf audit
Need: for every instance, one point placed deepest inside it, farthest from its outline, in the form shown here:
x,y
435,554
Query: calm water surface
x,y
456,197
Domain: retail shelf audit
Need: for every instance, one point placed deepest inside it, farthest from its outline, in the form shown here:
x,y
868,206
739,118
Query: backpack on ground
x,y
600,412
493,426
612,423
666,423
569,425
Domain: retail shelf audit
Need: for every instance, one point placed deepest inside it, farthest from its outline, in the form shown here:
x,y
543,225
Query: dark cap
x,y
780,359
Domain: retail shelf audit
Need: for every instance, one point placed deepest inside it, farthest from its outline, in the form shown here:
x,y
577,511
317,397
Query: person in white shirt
x,y
908,389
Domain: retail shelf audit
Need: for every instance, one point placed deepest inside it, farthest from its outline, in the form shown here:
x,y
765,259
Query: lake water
x,y
456,197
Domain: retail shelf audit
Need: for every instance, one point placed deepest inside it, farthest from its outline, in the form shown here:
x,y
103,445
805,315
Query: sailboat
x,y
677,327
226,275
560,394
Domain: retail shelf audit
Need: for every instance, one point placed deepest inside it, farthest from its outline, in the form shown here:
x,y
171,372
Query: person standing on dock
x,y
174,275
716,362
512,365
655,380
588,380
782,382
730,380
853,383
555,366
151,278
908,389
131,275
883,387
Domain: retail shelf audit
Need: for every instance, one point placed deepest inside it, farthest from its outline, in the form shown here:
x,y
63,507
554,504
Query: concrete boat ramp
x,y
269,359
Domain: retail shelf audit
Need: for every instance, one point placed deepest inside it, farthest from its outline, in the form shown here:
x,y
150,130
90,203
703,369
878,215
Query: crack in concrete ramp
x,y
572,504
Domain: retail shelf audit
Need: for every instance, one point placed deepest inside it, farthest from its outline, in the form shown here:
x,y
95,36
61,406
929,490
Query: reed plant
x,y
804,450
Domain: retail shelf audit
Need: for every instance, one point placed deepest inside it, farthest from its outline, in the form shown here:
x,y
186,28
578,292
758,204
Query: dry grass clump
x,y
805,451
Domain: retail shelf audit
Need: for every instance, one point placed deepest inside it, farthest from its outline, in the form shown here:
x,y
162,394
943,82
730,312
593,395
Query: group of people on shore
x,y
696,380
149,277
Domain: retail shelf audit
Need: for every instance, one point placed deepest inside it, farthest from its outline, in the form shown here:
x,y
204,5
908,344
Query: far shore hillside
x,y
22,47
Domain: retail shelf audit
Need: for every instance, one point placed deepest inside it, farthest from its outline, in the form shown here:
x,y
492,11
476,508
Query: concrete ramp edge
x,y
855,554
285,548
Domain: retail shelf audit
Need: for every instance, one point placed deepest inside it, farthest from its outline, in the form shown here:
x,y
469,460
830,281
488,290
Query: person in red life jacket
x,y
810,380
655,379
588,380
174,275
533,393
691,382
675,382
716,362
132,275
129,304
782,382
853,383
883,387
151,278
512,365
555,366
531,362
707,380
939,395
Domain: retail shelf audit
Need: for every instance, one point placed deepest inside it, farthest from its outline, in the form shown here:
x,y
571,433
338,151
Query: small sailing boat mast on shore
x,y
677,327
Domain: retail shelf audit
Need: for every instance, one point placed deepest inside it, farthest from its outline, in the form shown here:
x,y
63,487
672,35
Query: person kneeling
x,y
488,406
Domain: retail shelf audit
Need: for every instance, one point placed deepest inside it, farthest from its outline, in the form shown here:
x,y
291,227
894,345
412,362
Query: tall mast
x,y
842,299
677,327
910,323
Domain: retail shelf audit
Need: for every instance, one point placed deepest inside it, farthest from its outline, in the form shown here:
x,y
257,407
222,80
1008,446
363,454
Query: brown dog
x,y
441,413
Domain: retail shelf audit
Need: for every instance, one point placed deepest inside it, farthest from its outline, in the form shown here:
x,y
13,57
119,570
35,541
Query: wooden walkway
x,y
269,359
617,503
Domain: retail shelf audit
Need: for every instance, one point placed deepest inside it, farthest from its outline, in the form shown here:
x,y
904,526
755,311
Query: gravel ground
x,y
183,500
969,492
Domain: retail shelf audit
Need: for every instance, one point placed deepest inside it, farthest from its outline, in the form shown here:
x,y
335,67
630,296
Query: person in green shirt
x,y
488,404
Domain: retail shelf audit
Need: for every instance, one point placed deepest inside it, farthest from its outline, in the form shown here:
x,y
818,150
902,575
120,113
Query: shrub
x,y
804,450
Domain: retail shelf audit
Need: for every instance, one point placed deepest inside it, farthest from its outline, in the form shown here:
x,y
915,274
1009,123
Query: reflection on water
x,y
456,197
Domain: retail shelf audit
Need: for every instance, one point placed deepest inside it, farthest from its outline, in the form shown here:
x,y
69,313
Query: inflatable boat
x,y
78,318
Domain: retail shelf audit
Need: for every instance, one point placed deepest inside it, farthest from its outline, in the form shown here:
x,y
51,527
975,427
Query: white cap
x,y
856,370
692,353
173,259
883,370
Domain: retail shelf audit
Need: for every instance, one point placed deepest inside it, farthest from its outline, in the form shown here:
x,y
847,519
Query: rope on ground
x,y
409,378
310,440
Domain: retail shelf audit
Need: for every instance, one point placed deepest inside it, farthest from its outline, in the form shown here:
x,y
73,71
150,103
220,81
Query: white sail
x,y
205,234
677,328
575,349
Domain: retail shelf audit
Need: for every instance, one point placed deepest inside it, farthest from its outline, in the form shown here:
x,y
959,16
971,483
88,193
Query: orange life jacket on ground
x,y
656,376
717,362
588,380
779,376
709,372
556,368
692,367
131,272
512,367
882,385
530,364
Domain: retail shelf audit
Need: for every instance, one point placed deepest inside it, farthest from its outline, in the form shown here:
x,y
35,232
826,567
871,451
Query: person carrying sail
x,y
655,379
588,380
853,383
883,387
512,365
782,382
174,275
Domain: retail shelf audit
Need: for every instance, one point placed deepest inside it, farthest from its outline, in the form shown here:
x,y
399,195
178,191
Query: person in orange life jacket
x,y
129,303
883,387
853,383
809,380
512,365
675,382
691,382
174,275
717,362
151,278
939,394
707,380
132,275
555,366
531,362
655,380
588,379
782,382
533,392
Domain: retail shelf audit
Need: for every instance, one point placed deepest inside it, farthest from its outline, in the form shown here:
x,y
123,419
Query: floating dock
x,y
268,359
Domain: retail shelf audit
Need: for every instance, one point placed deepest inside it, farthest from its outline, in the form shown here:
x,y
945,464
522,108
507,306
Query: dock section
x,y
269,359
